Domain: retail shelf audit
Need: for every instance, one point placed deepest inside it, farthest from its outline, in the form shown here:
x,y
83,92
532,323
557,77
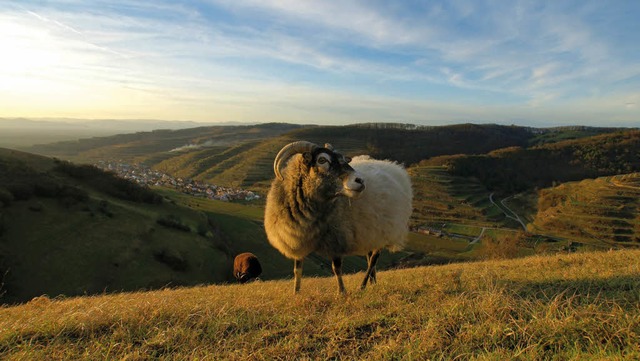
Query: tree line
x,y
515,169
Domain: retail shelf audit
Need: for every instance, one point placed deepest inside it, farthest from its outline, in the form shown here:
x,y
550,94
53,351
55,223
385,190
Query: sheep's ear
x,y
307,157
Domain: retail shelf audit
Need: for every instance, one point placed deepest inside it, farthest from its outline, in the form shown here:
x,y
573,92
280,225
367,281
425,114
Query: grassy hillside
x,y
454,219
603,211
578,306
74,230
442,198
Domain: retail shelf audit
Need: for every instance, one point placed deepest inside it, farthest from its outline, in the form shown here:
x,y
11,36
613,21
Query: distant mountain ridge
x,y
24,132
112,124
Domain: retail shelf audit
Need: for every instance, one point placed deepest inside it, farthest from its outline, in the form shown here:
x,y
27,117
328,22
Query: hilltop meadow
x,y
567,306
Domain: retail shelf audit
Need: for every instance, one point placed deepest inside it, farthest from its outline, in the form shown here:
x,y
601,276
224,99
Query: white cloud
x,y
340,60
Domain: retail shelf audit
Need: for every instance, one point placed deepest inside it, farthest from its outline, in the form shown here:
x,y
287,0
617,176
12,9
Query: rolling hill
x,y
241,156
145,146
50,208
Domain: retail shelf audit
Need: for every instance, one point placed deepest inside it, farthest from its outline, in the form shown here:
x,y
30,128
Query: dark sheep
x,y
246,267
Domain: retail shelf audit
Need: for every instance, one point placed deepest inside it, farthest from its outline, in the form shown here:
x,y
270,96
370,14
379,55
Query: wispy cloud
x,y
333,61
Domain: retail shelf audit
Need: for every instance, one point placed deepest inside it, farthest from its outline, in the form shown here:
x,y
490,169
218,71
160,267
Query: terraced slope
x,y
603,211
442,198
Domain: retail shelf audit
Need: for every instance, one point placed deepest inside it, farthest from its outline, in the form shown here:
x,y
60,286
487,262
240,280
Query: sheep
x,y
321,201
246,267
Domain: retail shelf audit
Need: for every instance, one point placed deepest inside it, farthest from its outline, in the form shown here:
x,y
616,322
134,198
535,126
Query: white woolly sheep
x,y
323,202
246,267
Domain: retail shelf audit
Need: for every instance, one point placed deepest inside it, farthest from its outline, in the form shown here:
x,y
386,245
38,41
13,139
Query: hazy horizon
x,y
538,64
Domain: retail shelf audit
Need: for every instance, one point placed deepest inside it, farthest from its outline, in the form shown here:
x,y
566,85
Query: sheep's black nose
x,y
359,180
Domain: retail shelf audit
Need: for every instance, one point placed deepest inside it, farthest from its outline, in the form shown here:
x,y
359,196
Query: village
x,y
146,176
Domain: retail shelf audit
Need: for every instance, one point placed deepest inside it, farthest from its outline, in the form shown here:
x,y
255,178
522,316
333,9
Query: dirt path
x,y
507,211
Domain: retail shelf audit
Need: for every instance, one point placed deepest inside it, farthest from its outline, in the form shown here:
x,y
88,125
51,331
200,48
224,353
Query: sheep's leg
x,y
374,260
297,275
370,275
336,265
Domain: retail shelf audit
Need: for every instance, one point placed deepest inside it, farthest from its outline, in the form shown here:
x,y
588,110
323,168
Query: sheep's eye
x,y
347,159
322,160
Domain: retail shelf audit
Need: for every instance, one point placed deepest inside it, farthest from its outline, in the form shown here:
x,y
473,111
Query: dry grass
x,y
578,306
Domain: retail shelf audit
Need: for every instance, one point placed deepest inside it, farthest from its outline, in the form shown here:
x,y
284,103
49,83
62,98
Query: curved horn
x,y
288,151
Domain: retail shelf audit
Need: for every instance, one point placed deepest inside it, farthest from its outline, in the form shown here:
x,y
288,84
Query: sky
x,y
534,63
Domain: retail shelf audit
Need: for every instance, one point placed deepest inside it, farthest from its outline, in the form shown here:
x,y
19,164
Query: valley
x,y
207,186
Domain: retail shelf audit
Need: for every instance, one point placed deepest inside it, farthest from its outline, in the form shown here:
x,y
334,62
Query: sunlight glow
x,y
27,56
263,61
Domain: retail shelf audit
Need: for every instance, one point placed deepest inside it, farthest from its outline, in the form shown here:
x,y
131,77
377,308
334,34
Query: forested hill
x,y
517,168
410,144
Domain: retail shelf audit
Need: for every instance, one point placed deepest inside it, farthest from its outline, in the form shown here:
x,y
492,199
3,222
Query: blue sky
x,y
538,63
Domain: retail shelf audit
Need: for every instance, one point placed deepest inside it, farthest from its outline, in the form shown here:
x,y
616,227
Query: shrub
x,y
501,248
204,231
36,207
171,221
70,195
6,197
109,183
171,258
2,227
103,207
46,187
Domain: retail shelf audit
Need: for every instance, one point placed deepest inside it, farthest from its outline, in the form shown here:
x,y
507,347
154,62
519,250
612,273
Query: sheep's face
x,y
338,176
